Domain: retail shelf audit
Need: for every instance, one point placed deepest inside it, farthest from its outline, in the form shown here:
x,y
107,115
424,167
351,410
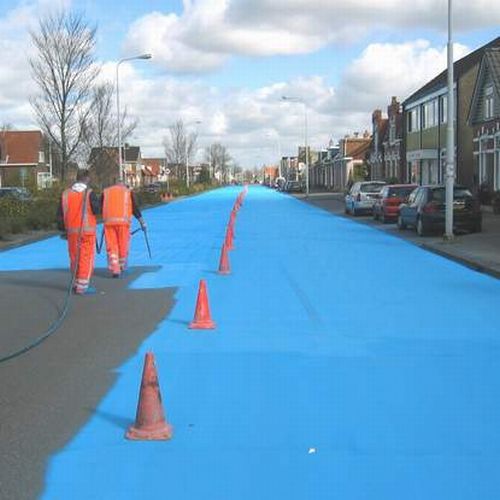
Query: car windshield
x,y
400,191
439,194
372,187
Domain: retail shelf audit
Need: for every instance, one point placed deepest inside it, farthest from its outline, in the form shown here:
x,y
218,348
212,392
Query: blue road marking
x,y
346,364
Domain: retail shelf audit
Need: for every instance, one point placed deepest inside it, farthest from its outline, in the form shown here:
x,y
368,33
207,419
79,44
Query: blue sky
x,y
226,63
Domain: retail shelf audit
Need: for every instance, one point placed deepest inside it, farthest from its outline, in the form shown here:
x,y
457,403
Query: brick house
x,y
484,117
153,170
350,160
290,167
425,116
323,169
104,165
24,158
392,144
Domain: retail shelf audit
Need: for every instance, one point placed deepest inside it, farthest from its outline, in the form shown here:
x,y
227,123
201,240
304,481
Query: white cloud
x,y
208,32
246,120
16,84
249,120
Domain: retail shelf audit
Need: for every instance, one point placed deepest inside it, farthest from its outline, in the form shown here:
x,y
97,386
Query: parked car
x,y
425,210
17,193
362,196
293,187
386,207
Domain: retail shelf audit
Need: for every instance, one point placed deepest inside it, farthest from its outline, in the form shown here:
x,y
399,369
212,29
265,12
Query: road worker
x,y
118,205
77,219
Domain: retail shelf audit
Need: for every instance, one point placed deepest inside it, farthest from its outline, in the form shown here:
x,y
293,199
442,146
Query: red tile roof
x,y
357,147
20,147
153,165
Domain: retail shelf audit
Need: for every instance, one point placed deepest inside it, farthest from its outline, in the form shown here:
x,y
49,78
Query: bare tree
x,y
179,146
218,159
64,69
100,134
101,124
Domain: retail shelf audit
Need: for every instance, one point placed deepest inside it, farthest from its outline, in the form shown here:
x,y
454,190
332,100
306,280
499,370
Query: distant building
x,y
425,121
104,165
322,173
376,151
24,159
392,145
350,162
290,167
484,117
270,173
154,170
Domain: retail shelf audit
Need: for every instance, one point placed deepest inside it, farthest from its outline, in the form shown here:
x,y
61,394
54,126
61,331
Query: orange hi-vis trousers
x,y
85,264
117,246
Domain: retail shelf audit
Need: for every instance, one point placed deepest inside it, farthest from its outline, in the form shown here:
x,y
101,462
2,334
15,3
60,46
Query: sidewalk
x,y
479,251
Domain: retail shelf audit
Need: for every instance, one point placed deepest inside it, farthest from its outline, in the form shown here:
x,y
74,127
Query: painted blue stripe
x,y
331,336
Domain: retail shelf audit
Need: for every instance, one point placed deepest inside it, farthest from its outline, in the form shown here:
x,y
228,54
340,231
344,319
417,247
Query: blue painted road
x,y
346,364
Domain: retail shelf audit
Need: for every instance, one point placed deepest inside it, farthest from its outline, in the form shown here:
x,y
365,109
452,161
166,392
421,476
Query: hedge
x,y
41,212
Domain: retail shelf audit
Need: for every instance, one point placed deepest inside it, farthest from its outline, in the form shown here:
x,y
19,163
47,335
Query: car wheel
x,y
421,229
401,223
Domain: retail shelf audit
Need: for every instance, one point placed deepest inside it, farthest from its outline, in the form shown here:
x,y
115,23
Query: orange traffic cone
x,y
202,319
229,237
224,261
150,421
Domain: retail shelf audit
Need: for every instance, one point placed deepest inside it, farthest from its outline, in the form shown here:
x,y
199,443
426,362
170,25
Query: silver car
x,y
362,196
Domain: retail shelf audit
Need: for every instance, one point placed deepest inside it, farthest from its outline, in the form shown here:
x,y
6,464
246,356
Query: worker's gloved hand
x,y
143,224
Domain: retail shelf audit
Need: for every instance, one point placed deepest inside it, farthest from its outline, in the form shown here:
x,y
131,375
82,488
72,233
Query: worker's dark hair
x,y
82,174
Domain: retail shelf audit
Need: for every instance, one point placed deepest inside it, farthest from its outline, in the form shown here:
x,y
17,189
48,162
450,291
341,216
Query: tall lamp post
x,y
450,135
197,122
142,56
300,100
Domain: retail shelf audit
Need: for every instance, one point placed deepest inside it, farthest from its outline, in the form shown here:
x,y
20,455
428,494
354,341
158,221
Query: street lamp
x,y
142,56
300,100
450,136
197,122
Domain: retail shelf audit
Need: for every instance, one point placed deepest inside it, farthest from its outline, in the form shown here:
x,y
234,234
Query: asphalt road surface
x,y
47,394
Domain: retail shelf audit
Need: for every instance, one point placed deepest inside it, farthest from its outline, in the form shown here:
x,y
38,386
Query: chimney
x,y
377,116
394,107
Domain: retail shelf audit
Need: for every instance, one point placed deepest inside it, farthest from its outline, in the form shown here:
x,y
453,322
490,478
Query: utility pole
x,y
120,161
450,135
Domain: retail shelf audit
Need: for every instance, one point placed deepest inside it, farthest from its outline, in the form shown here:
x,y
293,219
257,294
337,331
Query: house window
x,y
414,119
488,102
41,157
443,108
430,114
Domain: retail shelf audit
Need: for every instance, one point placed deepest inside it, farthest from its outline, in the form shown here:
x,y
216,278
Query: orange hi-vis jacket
x,y
117,206
72,206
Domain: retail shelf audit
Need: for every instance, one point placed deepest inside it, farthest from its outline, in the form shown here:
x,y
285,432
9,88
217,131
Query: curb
x,y
471,264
